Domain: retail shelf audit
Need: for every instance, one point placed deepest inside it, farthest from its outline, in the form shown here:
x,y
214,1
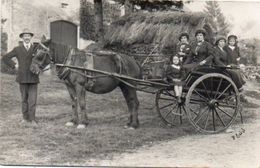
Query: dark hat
x,y
220,38
200,31
232,36
25,31
183,34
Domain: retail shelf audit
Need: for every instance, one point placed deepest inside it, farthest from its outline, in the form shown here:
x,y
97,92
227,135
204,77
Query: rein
x,y
64,72
43,46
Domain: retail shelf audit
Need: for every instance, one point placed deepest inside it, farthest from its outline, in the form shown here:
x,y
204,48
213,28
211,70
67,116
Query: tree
x,y
151,5
99,30
216,18
111,12
87,21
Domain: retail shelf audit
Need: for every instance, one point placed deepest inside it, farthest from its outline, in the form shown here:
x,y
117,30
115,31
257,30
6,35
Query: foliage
x,y
156,5
99,28
87,17
111,12
216,18
4,39
87,22
249,50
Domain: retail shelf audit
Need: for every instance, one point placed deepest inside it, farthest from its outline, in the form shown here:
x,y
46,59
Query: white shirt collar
x,y
221,48
232,47
27,44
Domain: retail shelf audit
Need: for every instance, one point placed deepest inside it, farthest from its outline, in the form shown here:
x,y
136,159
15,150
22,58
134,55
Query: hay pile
x,y
141,32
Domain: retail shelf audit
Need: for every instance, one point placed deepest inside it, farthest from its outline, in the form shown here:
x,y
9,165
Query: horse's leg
x,y
73,97
132,104
81,94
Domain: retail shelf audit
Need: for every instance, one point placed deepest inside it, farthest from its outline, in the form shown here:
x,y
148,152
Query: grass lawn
x,y
51,143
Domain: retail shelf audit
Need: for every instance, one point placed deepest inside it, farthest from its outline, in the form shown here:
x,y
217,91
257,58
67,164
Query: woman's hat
x,y
220,38
200,31
232,36
183,34
26,31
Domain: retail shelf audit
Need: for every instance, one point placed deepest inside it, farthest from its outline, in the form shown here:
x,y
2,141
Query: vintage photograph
x,y
130,83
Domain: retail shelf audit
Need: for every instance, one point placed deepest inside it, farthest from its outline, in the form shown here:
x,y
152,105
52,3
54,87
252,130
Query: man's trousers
x,y
29,99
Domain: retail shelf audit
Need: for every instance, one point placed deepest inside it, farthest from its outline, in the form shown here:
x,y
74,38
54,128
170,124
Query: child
x,y
233,58
183,48
176,75
232,51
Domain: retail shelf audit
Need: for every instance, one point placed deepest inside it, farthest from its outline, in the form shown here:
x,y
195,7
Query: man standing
x,y
27,80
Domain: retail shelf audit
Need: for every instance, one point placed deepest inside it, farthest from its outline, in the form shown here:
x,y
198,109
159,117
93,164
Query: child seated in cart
x,y
175,74
183,48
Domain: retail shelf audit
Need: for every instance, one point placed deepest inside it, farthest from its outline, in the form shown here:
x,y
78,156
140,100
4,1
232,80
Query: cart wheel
x,y
168,107
212,103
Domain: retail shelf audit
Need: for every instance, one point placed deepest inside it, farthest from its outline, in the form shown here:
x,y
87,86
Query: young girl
x,y
183,48
232,51
176,76
233,58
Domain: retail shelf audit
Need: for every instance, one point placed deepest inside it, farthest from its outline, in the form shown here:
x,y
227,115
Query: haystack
x,y
147,32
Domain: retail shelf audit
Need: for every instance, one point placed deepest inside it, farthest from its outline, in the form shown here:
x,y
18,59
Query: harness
x,y
70,59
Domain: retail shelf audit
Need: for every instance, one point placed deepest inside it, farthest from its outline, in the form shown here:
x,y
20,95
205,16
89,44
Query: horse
x,y
80,81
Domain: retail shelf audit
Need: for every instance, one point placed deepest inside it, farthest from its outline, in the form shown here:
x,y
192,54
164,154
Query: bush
x,y
4,38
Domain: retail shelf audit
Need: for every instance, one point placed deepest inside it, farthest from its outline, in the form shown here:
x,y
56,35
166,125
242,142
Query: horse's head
x,y
42,56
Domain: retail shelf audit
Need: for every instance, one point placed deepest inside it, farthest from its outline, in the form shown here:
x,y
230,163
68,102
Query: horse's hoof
x,y
81,126
69,124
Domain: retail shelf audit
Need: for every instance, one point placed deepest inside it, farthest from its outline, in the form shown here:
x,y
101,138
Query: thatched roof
x,y
148,28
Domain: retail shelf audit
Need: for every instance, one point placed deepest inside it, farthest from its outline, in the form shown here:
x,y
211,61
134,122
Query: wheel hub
x,y
213,103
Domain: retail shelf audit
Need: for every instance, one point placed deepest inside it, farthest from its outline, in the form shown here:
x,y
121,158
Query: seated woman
x,y
176,75
201,51
221,58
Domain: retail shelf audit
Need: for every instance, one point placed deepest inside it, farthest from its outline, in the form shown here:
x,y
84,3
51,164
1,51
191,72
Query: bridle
x,y
46,51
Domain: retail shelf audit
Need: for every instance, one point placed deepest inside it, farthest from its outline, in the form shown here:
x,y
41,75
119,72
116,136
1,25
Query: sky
x,y
244,16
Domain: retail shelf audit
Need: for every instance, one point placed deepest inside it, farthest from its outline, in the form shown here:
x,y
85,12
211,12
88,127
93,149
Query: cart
x,y
210,99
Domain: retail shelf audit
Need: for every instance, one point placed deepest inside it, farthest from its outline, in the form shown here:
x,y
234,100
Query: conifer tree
x,y
216,18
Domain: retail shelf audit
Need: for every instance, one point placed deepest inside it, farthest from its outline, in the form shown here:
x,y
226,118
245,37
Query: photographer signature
x,y
238,134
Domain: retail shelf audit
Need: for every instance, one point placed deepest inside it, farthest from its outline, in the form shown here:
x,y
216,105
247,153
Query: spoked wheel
x,y
168,107
212,103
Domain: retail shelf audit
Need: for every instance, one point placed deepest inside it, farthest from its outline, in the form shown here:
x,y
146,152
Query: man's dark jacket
x,y
24,58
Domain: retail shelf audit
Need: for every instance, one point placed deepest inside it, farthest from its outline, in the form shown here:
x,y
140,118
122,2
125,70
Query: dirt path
x,y
219,150
201,150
